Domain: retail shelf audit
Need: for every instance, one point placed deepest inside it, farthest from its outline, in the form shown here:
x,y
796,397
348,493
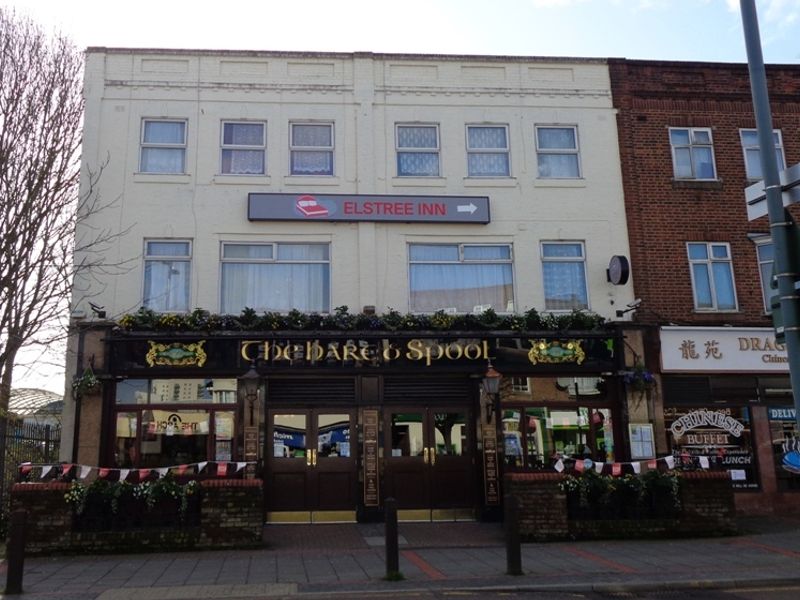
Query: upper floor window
x,y
311,149
564,274
712,276
766,257
418,150
520,384
460,277
166,275
275,277
163,146
487,151
752,153
692,152
557,152
243,148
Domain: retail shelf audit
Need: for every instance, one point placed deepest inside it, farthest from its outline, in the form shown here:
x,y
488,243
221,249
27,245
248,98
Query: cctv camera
x,y
635,303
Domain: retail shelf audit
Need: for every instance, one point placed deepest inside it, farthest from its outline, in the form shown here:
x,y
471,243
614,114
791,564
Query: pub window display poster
x,y
723,434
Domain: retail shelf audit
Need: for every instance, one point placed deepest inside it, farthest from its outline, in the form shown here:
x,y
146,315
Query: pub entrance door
x,y
429,461
311,465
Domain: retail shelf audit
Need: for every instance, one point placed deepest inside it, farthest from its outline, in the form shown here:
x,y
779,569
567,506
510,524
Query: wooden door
x,y
429,457
311,463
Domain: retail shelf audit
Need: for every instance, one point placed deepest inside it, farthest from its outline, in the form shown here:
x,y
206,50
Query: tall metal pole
x,y
779,220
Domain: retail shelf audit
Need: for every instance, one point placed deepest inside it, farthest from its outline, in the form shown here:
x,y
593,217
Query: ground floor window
x,y
535,437
785,447
169,422
714,437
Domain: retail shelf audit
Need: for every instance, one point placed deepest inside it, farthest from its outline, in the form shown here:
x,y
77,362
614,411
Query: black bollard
x,y
390,532
513,544
15,552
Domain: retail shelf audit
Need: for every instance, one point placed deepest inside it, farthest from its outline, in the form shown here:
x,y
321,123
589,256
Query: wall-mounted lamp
x,y
250,381
491,385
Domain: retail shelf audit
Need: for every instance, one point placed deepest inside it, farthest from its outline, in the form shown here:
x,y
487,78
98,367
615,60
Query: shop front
x,y
334,424
727,405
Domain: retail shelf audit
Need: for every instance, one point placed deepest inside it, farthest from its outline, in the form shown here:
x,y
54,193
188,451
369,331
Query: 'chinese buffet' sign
x,y
723,349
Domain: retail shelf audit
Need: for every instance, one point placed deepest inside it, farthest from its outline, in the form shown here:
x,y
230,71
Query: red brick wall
x,y
664,215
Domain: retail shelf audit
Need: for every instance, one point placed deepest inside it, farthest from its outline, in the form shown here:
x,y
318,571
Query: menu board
x,y
490,475
371,476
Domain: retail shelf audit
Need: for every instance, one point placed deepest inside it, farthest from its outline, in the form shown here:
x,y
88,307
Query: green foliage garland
x,y
342,320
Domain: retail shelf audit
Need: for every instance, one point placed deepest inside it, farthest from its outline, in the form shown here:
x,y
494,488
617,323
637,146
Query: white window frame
x,y
548,151
766,289
143,145
477,151
274,260
520,384
712,284
462,260
242,147
187,258
692,131
565,259
414,150
777,139
298,148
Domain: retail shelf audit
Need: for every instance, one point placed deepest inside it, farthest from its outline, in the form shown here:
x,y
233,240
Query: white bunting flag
x,y
670,460
123,474
162,472
704,462
84,472
559,466
598,467
240,466
201,466
637,467
45,470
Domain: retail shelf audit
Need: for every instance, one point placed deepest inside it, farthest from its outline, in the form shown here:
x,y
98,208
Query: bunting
x,y
62,470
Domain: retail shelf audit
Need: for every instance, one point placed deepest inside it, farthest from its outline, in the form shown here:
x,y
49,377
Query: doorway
x,y
429,461
311,465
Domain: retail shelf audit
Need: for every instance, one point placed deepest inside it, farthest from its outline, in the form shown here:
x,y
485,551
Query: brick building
x,y
688,149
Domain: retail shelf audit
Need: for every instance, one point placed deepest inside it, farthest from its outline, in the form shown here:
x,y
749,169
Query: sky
x,y
704,30
697,30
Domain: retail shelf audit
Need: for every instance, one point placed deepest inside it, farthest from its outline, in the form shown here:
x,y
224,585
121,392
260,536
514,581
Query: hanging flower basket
x,y
86,383
639,379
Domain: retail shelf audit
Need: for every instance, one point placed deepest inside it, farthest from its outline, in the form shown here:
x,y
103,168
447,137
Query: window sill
x,y
490,182
563,183
242,179
697,184
311,180
698,311
162,178
419,181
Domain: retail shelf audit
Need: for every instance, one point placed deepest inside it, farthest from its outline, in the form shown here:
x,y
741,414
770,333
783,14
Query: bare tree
x,y
41,202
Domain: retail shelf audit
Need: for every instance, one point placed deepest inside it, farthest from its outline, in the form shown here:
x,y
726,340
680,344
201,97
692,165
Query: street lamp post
x,y
491,386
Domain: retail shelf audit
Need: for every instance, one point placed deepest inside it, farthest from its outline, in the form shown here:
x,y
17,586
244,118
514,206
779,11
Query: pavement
x,y
348,560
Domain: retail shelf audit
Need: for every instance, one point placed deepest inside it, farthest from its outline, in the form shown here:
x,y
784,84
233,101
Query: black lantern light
x,y
250,381
491,386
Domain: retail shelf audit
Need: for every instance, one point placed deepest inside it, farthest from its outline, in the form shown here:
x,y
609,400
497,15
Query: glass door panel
x,y
289,435
407,434
450,433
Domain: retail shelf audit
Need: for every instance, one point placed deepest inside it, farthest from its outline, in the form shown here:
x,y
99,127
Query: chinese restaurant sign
x,y
722,435
722,349
358,207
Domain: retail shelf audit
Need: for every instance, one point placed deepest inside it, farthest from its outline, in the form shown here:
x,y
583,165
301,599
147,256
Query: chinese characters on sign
x,y
721,349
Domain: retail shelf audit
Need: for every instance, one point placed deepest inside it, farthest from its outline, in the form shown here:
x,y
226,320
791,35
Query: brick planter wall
x,y
706,500
542,505
230,517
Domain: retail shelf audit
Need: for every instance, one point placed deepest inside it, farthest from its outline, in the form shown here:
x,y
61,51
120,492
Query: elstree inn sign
x,y
360,207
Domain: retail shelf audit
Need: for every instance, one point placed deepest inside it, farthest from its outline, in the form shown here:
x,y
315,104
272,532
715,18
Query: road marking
x,y
423,565
600,560
774,549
